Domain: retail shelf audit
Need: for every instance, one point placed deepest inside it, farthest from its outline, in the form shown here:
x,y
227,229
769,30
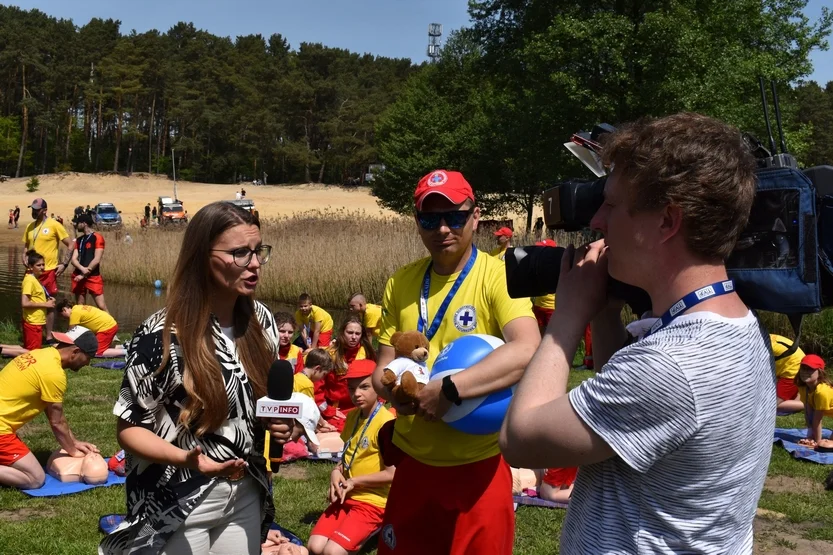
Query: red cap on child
x,y
360,369
451,185
503,232
813,361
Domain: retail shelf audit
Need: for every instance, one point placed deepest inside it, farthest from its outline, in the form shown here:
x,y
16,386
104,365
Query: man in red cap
x,y
452,492
45,236
504,240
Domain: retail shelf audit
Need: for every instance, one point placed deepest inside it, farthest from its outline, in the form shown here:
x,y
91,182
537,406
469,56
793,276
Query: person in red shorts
x,y
45,236
360,483
94,319
786,370
86,258
32,383
556,484
452,492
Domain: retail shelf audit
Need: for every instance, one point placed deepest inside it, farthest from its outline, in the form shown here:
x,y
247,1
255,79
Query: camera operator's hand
x,y
582,284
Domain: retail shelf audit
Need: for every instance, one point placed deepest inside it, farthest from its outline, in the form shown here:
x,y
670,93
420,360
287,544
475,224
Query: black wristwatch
x,y
450,391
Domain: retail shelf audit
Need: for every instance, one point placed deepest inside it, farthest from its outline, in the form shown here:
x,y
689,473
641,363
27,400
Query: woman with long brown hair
x,y
351,344
197,480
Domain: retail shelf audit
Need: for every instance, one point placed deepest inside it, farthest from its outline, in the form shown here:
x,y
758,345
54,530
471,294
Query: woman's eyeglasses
x,y
243,256
455,219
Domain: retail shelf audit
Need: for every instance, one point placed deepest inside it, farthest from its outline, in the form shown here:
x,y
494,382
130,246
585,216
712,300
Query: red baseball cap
x,y
546,243
360,369
503,232
451,185
813,361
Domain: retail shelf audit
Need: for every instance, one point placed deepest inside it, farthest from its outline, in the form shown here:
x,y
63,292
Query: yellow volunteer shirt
x,y
33,289
821,398
303,385
361,453
786,367
92,318
547,301
45,239
481,305
498,252
27,384
317,314
373,318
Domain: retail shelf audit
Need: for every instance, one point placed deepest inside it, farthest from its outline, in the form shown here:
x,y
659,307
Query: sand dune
x,y
63,192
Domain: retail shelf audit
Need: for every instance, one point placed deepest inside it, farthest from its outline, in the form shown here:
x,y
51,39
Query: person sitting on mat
x,y
286,349
315,323
32,383
816,392
35,301
96,320
786,370
556,484
359,485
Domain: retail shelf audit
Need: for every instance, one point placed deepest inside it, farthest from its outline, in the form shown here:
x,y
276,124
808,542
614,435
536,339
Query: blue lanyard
x,y
358,441
423,298
691,300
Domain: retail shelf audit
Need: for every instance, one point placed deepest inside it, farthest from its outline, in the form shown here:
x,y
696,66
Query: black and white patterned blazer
x,y
160,497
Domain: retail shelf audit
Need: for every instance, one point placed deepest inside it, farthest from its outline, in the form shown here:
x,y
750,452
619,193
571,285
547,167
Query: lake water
x,y
128,304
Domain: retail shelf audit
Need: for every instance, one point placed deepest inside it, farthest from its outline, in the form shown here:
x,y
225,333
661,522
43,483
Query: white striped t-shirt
x,y
690,414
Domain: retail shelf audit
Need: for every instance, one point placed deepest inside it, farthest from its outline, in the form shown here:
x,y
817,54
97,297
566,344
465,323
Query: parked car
x,y
171,211
245,204
106,215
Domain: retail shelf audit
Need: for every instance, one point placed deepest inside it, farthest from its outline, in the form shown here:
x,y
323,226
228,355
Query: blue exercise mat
x,y
110,364
53,487
789,437
108,523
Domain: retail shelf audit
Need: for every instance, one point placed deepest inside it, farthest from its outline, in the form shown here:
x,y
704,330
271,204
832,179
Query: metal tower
x,y
435,31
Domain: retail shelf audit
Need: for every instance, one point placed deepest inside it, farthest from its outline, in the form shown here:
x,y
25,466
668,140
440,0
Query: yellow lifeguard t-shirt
x,y
361,453
481,305
547,301
498,252
303,384
373,318
92,318
35,291
317,314
27,384
45,239
786,367
821,398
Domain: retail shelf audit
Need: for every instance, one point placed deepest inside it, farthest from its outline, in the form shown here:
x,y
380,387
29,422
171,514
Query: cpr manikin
x,y
90,469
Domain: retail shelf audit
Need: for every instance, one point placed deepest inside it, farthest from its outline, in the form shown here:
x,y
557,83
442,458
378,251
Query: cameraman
x,y
672,460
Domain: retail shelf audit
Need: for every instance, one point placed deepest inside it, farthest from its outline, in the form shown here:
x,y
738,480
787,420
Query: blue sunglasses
x,y
455,219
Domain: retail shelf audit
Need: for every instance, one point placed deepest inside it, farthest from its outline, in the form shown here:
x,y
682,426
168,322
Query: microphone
x,y
279,385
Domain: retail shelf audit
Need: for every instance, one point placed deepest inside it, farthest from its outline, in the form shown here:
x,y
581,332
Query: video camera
x,y
776,262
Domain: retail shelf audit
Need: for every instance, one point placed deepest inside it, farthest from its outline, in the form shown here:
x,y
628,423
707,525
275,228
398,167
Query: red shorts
x,y
93,284
32,336
349,524
324,339
105,339
49,281
785,389
560,477
453,510
11,449
543,316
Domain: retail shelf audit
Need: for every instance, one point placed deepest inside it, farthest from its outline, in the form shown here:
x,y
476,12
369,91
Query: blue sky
x,y
394,28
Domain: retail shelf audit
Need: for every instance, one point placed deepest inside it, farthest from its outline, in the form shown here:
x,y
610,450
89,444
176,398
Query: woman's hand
x,y
283,430
211,468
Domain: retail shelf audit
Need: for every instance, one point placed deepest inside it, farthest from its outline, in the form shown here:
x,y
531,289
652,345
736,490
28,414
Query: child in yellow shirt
x,y
315,323
287,350
35,301
359,485
94,319
816,392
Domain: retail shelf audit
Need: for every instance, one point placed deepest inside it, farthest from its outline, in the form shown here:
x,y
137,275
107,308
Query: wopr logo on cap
x,y
438,178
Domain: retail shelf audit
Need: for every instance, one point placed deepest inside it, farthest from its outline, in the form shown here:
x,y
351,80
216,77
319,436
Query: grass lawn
x,y
798,517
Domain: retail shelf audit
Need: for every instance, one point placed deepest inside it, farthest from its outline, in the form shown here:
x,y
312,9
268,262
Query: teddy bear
x,y
407,374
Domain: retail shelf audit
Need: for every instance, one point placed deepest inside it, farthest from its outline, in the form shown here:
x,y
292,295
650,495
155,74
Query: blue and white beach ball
x,y
481,415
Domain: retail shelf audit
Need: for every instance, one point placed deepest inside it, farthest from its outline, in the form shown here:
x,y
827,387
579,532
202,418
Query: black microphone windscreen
x,y
281,380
